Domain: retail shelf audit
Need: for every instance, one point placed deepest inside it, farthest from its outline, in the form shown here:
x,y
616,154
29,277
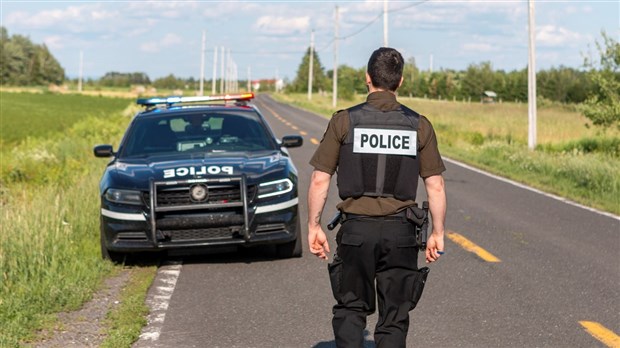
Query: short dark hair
x,y
385,68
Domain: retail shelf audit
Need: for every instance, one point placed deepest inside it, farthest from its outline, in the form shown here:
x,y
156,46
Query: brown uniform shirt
x,y
326,156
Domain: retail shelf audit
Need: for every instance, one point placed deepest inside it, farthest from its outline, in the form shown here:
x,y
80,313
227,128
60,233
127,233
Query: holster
x,y
419,218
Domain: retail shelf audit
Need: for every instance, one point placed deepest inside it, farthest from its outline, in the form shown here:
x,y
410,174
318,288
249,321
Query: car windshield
x,y
210,132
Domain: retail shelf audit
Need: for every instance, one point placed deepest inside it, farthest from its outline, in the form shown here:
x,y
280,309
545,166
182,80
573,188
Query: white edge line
x,y
122,216
550,195
158,303
276,207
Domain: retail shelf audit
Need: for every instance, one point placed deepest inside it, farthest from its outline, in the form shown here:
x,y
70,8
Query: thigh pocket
x,y
418,285
335,277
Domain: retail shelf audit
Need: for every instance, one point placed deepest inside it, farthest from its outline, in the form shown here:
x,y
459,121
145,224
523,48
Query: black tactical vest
x,y
379,156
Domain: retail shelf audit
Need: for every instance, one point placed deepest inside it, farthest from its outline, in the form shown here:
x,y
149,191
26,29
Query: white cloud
x,y
478,47
170,40
167,40
54,42
150,47
557,36
282,25
65,16
43,18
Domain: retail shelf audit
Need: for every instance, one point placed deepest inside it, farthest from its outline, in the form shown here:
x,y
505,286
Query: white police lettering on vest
x,y
385,141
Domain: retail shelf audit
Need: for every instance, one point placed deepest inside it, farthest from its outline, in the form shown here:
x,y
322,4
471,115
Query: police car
x,y
192,174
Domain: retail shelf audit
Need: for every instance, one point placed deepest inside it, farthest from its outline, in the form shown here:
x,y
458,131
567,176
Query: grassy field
x,y
49,207
571,160
20,119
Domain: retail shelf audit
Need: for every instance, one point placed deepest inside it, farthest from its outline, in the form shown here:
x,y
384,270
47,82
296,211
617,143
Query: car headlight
x,y
123,196
274,188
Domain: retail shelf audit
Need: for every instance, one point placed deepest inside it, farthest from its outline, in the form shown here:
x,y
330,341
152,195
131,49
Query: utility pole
x,y
202,63
249,80
335,72
531,80
214,82
431,64
310,72
81,72
385,23
227,69
222,70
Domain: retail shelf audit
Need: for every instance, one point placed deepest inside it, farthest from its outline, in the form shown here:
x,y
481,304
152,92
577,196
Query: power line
x,y
371,22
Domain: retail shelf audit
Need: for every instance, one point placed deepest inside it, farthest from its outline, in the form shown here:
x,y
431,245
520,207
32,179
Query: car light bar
x,y
198,99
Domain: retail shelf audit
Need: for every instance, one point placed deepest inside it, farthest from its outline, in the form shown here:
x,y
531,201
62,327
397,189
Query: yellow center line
x,y
314,141
472,247
280,118
601,333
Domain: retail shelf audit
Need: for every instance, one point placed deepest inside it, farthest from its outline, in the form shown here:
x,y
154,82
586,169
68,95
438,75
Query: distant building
x,y
268,85
489,97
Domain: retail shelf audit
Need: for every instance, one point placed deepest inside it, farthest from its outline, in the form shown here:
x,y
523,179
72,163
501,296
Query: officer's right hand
x,y
434,245
317,241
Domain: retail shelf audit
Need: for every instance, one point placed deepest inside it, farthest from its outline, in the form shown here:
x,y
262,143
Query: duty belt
x,y
416,216
399,215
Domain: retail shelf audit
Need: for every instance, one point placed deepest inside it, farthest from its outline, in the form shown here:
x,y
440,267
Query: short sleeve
x,y
428,152
326,156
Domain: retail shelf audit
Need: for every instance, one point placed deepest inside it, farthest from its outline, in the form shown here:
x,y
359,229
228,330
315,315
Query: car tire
x,y
113,256
292,248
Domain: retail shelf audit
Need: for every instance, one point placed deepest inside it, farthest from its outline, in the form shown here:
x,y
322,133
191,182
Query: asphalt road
x,y
521,269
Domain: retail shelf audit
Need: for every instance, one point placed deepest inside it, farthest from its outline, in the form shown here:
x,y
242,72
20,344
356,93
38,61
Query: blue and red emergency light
x,y
169,101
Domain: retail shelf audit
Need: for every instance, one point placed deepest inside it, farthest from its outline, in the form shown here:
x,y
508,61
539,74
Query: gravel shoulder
x,y
86,327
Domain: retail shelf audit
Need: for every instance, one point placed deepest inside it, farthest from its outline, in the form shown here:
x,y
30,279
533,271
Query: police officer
x,y
379,148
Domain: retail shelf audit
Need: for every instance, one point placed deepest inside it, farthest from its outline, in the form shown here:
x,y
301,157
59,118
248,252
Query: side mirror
x,y
292,141
103,151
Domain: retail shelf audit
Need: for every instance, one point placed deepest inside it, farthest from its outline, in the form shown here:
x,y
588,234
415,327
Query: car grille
x,y
217,194
202,233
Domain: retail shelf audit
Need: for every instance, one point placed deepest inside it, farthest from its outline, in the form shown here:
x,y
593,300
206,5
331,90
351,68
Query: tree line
x,y
563,84
25,63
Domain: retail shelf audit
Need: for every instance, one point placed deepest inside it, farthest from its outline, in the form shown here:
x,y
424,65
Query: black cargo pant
x,y
382,249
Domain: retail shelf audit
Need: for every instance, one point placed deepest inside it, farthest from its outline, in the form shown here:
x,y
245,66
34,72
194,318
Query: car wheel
x,y
293,248
113,256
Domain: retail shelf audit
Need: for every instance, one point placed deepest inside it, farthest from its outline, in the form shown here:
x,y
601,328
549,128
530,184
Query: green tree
x,y
117,79
350,82
319,80
25,63
516,86
170,82
602,106
562,84
477,79
410,74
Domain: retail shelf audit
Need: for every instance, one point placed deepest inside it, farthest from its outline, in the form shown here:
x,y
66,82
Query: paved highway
x,y
521,269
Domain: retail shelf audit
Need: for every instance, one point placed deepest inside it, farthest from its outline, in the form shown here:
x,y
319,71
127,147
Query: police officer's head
x,y
385,69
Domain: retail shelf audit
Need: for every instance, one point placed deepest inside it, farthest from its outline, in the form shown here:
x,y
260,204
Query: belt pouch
x,y
418,285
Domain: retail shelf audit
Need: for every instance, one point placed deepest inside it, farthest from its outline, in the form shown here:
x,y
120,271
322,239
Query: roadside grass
x,y
49,216
574,161
125,322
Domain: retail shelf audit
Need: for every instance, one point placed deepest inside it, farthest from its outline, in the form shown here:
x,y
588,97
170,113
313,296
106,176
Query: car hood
x,y
136,174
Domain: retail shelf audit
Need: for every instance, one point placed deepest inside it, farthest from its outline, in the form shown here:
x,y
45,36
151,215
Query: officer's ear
x,y
368,80
401,81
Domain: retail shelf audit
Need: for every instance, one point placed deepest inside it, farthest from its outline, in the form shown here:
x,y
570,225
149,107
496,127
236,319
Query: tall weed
x,y
49,243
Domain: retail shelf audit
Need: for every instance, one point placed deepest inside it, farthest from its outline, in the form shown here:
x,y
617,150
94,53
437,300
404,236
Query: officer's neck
x,y
372,89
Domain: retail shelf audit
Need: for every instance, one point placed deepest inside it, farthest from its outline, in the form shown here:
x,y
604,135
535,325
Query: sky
x,y
267,39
